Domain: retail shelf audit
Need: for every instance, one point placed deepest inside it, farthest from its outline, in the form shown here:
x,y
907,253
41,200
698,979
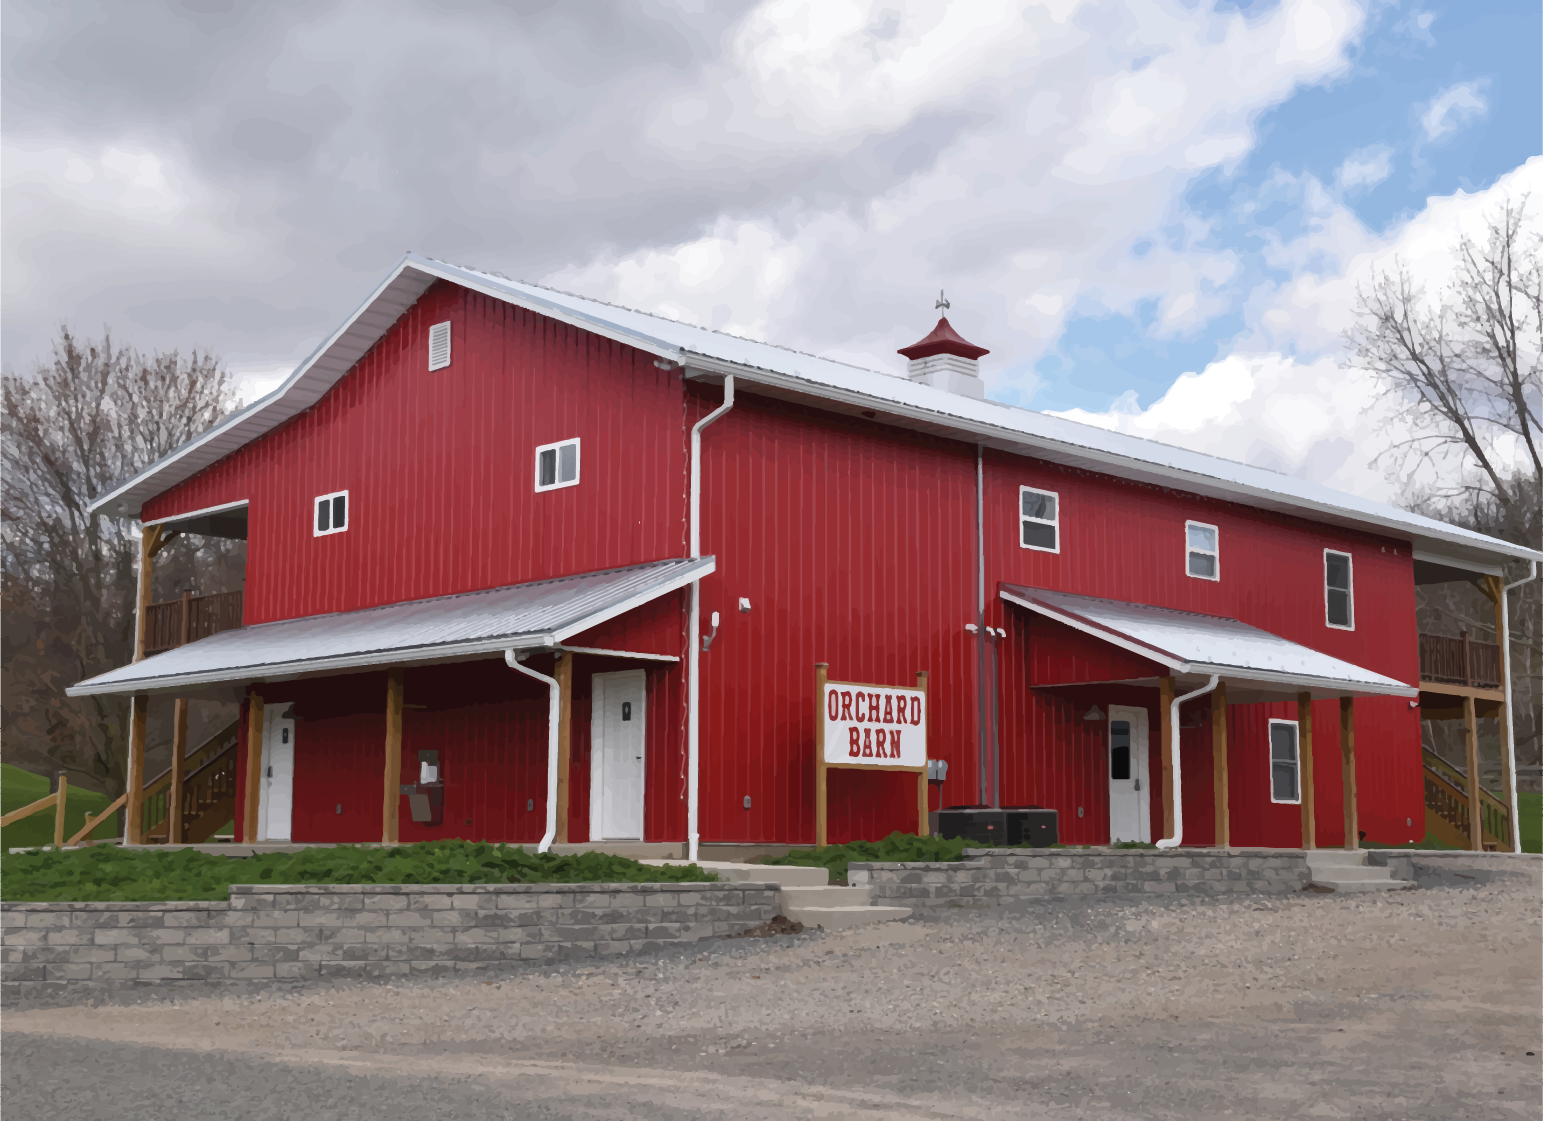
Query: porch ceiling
x,y
448,628
1255,663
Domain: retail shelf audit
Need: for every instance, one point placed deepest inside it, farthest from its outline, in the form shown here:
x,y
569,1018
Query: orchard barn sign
x,y
869,728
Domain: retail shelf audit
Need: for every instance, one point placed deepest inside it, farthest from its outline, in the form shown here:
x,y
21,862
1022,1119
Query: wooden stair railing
x,y
206,788
1446,805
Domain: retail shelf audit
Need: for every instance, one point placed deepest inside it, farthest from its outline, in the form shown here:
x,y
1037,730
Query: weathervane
x,y
942,301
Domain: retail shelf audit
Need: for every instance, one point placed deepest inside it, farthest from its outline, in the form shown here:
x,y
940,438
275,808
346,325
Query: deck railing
x,y
1459,661
179,621
1446,796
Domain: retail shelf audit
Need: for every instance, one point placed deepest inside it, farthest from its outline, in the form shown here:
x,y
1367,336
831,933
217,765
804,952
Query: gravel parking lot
x,y
1422,1003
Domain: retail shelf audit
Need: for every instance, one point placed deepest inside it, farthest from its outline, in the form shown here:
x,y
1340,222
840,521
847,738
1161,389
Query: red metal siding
x,y
440,466
1063,655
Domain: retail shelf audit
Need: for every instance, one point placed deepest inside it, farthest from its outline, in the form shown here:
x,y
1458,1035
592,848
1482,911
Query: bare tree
x,y
90,416
1468,366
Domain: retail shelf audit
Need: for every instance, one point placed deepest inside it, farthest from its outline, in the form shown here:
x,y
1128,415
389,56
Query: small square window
x,y
1203,557
1338,591
1039,516
439,346
331,514
557,465
1285,766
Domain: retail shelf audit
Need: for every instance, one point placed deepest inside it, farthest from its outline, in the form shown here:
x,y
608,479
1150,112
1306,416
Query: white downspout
x,y
1510,717
1178,772
554,714
694,623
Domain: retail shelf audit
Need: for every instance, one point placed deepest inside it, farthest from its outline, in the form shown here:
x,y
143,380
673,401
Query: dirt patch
x,y
771,928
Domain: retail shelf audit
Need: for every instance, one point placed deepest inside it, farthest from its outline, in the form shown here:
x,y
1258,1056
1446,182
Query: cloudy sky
x,y
1154,213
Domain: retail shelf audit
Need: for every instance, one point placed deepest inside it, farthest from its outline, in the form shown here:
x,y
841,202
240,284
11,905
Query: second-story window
x,y
1338,590
1203,558
331,514
557,465
1039,511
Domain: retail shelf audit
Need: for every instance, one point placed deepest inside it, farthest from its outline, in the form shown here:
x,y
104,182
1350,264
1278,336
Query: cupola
x,y
945,360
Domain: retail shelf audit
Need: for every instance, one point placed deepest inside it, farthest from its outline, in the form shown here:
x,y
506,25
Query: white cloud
x,y
1452,108
1365,168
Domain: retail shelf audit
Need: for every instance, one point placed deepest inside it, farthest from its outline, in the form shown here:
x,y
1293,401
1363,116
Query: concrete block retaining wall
x,y
313,931
993,876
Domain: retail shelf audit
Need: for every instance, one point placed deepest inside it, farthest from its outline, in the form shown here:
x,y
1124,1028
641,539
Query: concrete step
x,y
1363,885
1336,858
1352,872
788,875
821,897
840,918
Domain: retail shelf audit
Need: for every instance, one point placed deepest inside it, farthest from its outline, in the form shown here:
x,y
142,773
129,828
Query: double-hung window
x,y
557,465
1285,763
1338,591
331,514
1039,512
1202,556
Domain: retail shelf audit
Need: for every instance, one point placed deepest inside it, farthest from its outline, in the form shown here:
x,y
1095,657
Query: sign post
x,y
861,727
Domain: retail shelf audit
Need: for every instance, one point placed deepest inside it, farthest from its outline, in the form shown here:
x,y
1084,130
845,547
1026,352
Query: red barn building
x,y
523,566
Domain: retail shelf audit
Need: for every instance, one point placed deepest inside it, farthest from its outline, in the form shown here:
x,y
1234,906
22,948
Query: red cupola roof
x,y
943,340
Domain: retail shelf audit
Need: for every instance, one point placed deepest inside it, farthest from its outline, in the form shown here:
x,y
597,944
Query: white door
x,y
276,806
616,757
1129,789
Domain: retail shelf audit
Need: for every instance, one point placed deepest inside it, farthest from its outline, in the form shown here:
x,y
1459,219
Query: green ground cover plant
x,y
897,847
114,874
19,788
1530,827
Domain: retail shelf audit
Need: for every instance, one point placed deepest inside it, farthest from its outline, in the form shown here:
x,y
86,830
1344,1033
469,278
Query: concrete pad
x,y
841,918
791,897
790,875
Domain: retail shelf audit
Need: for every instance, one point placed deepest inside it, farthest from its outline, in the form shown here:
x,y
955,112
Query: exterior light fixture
x,y
1094,713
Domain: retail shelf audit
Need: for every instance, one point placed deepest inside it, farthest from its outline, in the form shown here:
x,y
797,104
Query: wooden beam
x,y
1347,773
1475,803
923,829
1450,690
564,675
93,822
149,545
1305,756
254,767
179,747
821,777
135,786
1492,587
31,808
59,807
391,788
1165,715
1220,787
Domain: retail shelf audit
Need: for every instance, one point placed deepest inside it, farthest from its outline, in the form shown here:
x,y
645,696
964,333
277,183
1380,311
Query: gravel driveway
x,y
1423,1003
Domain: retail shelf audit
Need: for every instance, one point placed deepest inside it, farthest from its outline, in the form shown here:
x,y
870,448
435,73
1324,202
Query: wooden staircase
x,y
1446,808
208,791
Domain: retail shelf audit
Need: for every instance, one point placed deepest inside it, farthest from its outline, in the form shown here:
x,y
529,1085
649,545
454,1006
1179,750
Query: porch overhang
x,y
1256,664
539,615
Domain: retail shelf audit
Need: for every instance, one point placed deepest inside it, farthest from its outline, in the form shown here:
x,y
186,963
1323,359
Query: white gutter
x,y
1177,839
1510,717
554,715
694,625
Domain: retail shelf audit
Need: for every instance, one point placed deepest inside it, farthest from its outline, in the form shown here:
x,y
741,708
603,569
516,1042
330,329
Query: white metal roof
x,y
522,617
776,370
1190,643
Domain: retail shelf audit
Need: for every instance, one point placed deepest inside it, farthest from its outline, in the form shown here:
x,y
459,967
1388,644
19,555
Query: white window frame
x,y
578,464
449,334
1269,746
1349,591
348,514
1214,554
1022,517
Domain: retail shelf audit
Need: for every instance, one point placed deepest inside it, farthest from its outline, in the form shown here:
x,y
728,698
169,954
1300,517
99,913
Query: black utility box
x,y
989,826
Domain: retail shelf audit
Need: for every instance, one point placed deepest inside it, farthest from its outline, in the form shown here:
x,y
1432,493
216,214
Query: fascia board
x,y
700,567
1447,560
1341,686
617,653
172,519
1104,634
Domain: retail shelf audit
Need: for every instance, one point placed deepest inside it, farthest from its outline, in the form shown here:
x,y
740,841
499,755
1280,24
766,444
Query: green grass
x,y
19,788
1530,827
115,874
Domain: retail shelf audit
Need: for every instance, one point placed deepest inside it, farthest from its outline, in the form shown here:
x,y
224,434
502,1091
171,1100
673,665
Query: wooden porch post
x,y
1491,586
1220,796
391,789
1347,774
179,747
564,675
1475,799
254,768
135,786
1164,713
1305,753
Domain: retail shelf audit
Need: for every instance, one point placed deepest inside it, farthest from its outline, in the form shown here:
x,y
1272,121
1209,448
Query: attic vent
x,y
439,346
